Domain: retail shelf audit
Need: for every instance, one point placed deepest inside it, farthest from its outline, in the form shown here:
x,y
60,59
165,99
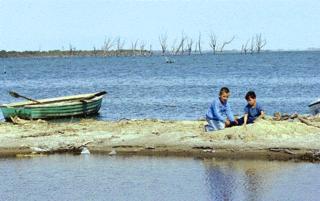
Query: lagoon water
x,y
148,87
101,177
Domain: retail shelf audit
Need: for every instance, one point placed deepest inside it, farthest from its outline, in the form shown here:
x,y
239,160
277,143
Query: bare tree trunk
x,y
142,45
183,39
181,45
189,46
94,51
107,44
213,42
252,46
226,43
70,49
260,43
244,47
134,47
150,50
199,43
120,45
163,43
173,47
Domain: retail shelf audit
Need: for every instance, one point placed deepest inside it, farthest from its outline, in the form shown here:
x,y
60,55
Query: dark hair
x,y
224,90
250,94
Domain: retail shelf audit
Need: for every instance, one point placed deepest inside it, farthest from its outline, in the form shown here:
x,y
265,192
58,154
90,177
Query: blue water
x,y
147,87
100,177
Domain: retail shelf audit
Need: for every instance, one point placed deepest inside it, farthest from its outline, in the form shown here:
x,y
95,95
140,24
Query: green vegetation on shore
x,y
71,53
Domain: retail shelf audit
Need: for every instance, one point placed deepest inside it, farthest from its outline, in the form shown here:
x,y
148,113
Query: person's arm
x,y
245,119
216,112
229,113
261,116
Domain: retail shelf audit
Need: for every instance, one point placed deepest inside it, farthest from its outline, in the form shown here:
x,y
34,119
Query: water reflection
x,y
242,179
220,182
101,177
253,184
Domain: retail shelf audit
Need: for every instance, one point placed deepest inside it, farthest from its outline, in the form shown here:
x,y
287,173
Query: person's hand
x,y
245,126
227,123
257,119
236,122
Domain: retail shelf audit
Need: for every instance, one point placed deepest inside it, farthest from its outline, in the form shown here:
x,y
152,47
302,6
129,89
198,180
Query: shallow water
x,y
102,177
147,87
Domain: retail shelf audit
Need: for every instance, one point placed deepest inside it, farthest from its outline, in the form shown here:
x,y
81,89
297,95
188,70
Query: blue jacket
x,y
219,111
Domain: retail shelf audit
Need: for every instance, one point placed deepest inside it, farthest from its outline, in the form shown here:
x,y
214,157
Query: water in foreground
x,y
102,177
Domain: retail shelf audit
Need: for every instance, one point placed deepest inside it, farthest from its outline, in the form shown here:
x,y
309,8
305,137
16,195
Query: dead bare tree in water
x,y
94,51
134,47
107,44
244,47
213,42
142,45
72,49
150,50
189,46
226,43
260,43
199,44
163,43
120,45
252,46
173,46
183,39
181,45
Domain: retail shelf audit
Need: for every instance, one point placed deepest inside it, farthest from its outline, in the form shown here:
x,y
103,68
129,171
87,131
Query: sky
x,y
54,24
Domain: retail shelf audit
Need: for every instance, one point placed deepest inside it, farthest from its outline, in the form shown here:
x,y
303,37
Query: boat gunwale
x,y
59,101
314,103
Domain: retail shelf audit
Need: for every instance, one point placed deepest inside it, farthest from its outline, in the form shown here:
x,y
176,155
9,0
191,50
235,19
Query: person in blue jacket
x,y
252,111
219,114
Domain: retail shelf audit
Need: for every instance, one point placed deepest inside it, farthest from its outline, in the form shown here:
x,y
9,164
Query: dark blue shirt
x,y
253,112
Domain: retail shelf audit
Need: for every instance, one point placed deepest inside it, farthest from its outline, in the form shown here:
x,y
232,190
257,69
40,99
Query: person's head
x,y
224,94
251,98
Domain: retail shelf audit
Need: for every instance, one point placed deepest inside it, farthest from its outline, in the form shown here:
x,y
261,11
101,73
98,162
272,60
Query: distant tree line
x,y
183,45
187,45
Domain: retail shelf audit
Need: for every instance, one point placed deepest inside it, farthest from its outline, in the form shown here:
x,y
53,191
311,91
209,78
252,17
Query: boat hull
x,y
315,107
62,109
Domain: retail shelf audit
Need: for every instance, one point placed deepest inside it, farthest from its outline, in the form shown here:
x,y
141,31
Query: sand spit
x,y
297,139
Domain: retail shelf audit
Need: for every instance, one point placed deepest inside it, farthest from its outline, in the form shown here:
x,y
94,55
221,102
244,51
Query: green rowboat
x,y
60,107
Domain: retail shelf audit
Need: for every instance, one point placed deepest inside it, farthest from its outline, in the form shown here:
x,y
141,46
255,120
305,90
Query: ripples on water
x,y
147,87
100,177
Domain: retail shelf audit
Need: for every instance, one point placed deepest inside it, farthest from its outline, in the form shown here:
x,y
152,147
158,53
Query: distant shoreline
x,y
73,53
124,53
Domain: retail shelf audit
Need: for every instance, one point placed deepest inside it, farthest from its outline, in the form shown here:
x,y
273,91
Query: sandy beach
x,y
267,139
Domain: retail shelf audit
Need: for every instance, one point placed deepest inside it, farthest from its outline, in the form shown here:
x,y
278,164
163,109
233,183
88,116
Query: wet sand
x,y
266,139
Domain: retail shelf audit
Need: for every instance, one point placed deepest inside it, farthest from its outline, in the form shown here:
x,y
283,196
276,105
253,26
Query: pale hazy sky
x,y
53,24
